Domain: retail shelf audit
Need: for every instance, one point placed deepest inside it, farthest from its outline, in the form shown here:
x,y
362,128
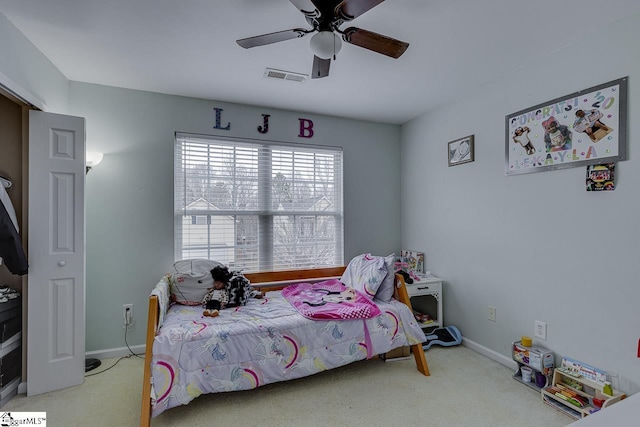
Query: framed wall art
x,y
584,128
460,151
414,261
601,177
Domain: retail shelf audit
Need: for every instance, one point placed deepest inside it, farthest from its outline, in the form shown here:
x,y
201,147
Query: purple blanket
x,y
329,299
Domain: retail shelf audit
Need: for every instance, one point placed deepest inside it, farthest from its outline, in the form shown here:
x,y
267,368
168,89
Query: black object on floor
x,y
91,364
447,336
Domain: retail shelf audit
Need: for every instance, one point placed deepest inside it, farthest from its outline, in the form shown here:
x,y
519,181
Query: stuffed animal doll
x,y
238,288
214,301
217,297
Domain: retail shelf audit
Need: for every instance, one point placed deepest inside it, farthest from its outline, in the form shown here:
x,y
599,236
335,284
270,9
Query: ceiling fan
x,y
326,17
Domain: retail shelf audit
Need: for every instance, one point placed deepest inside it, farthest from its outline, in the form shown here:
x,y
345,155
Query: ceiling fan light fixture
x,y
325,44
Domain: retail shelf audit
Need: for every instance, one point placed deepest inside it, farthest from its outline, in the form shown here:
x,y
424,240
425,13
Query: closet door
x,y
56,281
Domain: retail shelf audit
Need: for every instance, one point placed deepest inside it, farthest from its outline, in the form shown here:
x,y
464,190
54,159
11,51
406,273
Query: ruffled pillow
x,y
385,291
365,274
190,279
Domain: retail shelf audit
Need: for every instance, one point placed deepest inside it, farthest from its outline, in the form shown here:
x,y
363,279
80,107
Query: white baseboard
x,y
501,359
115,352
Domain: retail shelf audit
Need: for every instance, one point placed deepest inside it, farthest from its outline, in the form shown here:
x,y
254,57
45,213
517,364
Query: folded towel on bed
x,y
329,299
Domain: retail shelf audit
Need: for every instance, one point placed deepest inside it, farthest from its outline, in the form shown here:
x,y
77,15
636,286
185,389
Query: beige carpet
x,y
464,389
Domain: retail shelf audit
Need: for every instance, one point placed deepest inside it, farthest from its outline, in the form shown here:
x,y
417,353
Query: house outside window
x,y
258,206
200,219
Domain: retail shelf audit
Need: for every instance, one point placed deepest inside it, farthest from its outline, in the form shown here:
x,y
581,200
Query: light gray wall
x,y
129,196
23,64
535,246
470,220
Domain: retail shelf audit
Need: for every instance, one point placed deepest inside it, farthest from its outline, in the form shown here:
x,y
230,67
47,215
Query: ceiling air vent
x,y
285,75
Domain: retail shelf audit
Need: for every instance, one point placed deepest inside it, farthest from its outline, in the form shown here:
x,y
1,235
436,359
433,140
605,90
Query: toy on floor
x,y
447,336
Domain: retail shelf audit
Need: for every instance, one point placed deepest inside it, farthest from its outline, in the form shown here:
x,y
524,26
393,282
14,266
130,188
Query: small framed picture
x,y
414,261
461,151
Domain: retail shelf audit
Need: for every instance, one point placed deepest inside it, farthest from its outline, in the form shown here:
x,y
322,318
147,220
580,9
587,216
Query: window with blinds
x,y
258,206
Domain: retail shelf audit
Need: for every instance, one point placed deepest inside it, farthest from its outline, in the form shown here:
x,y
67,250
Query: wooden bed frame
x,y
272,281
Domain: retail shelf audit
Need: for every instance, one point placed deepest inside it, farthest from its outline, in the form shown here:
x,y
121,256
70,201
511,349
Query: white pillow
x,y
190,280
365,273
385,291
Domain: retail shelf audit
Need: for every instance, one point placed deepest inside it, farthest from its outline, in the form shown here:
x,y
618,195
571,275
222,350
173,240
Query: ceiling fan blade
x,y
278,36
307,7
375,42
351,9
320,67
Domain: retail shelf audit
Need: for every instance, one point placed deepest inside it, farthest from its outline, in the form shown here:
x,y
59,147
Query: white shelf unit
x,y
10,348
538,358
589,390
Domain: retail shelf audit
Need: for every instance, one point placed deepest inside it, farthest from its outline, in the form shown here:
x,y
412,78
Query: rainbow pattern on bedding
x,y
264,342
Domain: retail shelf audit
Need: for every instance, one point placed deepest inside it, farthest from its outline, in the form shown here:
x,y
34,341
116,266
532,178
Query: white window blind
x,y
258,206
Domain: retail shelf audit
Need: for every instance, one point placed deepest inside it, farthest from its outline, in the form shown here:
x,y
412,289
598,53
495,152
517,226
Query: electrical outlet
x,y
492,314
127,315
541,330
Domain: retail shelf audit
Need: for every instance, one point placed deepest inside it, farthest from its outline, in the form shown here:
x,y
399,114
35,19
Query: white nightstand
x,y
427,287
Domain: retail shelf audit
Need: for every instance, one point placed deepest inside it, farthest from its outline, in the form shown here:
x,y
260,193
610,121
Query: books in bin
x,y
422,318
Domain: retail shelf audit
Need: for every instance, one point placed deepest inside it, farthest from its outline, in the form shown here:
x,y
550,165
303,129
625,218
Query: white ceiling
x,y
187,47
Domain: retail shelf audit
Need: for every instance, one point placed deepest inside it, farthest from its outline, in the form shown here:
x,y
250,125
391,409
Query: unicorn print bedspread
x,y
329,299
264,342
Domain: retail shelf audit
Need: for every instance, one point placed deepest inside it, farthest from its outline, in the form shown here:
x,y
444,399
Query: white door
x,y
56,280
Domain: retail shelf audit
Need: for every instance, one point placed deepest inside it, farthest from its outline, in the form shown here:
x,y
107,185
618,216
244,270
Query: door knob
x,y
62,263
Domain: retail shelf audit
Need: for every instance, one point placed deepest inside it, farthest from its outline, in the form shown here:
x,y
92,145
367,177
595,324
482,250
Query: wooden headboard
x,y
274,280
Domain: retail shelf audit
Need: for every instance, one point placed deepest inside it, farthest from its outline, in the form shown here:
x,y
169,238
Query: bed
x,y
263,342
